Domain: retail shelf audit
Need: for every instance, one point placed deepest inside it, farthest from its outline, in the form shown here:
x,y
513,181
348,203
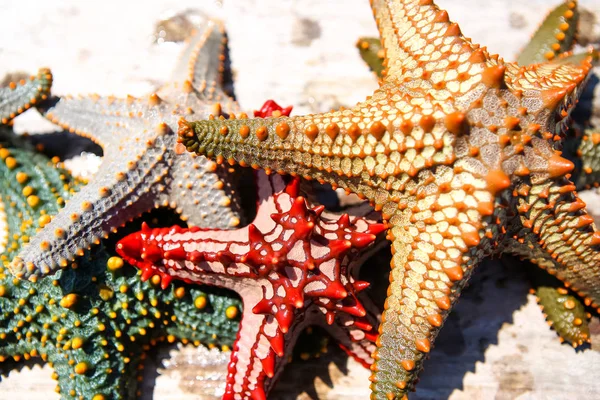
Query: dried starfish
x,y
554,37
98,352
142,167
292,268
457,148
94,321
553,40
584,150
17,97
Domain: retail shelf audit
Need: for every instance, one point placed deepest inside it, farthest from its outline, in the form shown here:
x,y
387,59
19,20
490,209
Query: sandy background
x,y
496,344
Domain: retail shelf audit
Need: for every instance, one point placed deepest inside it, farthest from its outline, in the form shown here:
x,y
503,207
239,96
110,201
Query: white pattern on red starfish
x,y
291,267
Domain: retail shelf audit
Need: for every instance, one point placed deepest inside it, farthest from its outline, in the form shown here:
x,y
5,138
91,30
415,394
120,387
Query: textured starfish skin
x,y
587,158
94,321
292,268
563,311
554,36
142,167
17,97
113,317
457,149
553,40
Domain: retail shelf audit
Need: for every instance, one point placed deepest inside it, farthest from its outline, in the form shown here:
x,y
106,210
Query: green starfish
x,y
94,320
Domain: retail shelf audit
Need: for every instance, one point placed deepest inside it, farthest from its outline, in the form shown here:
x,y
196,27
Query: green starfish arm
x,y
372,53
17,97
95,319
584,151
563,310
565,313
101,323
31,189
555,35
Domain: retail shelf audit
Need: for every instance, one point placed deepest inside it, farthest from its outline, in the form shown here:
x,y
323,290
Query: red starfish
x,y
291,266
271,108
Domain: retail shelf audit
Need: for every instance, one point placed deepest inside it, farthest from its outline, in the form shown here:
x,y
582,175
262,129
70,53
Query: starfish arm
x,y
32,189
413,32
128,183
558,233
204,193
282,144
555,35
565,313
586,158
431,263
550,89
108,121
201,64
345,148
17,97
372,54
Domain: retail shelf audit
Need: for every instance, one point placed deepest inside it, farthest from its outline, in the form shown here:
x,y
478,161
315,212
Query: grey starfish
x,y
142,167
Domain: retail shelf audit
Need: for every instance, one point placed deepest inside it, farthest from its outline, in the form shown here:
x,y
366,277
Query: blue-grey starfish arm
x,y
142,167
17,97
204,74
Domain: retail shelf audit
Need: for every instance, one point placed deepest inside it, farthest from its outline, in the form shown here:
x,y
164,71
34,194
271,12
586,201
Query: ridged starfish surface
x,y
292,268
553,40
142,167
458,149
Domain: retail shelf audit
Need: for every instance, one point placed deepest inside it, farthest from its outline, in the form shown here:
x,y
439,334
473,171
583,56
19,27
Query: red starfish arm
x,y
257,356
174,252
562,235
357,338
271,109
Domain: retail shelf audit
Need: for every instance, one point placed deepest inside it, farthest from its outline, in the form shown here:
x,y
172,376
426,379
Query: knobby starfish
x,y
17,97
458,149
142,167
94,321
291,266
553,40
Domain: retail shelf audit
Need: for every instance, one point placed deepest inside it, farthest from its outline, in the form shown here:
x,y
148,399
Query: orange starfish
x,y
459,150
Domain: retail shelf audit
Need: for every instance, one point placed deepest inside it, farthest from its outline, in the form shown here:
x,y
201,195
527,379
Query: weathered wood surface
x,y
496,344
